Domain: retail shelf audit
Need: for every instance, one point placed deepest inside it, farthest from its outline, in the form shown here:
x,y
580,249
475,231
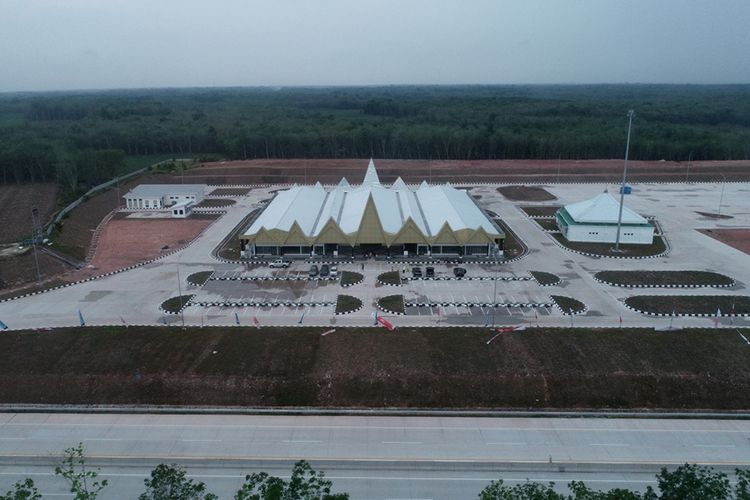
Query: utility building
x,y
372,219
158,196
595,221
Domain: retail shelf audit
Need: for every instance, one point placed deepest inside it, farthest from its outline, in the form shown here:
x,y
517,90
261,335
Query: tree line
x,y
82,137
170,482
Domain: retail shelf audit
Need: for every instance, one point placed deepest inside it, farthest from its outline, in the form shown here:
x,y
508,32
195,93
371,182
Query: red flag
x,y
385,323
257,323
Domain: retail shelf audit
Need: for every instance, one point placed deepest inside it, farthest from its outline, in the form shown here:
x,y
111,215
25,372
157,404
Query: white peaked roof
x,y
158,190
602,209
430,207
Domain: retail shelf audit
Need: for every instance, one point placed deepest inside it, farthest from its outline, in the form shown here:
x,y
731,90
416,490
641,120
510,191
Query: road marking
x,y
401,442
506,444
103,439
609,444
11,439
305,441
201,440
715,445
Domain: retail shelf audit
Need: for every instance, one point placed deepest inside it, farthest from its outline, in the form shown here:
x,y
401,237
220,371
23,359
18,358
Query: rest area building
x,y
159,196
372,219
595,221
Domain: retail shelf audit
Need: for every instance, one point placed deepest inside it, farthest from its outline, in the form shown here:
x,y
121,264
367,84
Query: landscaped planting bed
x,y
569,304
664,278
512,246
606,249
346,304
690,304
548,224
215,203
390,278
176,304
541,211
526,193
349,278
393,303
199,279
545,278
229,192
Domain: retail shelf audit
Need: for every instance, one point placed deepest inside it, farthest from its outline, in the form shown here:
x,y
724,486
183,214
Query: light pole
x,y
624,178
179,292
687,172
494,293
723,185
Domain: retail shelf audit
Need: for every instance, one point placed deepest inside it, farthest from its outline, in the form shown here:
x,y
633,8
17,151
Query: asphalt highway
x,y
369,457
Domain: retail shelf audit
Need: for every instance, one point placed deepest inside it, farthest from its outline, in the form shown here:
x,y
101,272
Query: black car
x,y
324,270
416,272
430,272
459,272
313,271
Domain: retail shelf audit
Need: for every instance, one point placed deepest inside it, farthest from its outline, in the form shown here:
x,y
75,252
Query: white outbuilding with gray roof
x,y
160,196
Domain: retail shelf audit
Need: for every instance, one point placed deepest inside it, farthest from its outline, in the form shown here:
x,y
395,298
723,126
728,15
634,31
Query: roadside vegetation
x,y
418,367
569,304
664,278
176,304
390,278
607,249
690,304
351,278
171,482
346,304
394,303
199,279
541,211
544,278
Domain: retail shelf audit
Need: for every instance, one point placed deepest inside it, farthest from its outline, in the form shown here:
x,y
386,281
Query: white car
x,y
280,263
333,272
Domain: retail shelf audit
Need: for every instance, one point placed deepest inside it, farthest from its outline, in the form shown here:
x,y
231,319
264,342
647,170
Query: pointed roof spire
x,y
343,183
371,176
318,185
424,185
399,184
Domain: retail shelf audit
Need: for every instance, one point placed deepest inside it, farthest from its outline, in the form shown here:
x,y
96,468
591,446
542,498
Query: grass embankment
x,y
346,304
351,278
526,193
664,278
176,304
199,279
606,249
230,247
390,278
512,245
568,304
416,367
544,278
690,304
394,303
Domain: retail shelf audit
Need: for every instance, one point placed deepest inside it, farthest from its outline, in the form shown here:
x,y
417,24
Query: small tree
x,y
22,490
168,482
497,490
582,492
305,484
742,489
82,482
693,482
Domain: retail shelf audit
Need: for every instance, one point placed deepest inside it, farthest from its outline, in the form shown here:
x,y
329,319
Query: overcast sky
x,y
81,44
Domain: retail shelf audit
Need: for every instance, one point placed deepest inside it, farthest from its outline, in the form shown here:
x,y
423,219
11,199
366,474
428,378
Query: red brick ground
x,y
735,238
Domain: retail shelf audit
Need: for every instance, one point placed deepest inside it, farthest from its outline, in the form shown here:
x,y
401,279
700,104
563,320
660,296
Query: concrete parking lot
x,y
133,297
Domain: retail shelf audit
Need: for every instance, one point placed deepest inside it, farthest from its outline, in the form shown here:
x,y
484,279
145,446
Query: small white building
x,y
182,209
595,221
161,196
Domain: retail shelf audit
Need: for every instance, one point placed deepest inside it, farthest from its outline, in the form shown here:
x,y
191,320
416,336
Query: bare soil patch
x,y
414,367
16,204
690,304
125,242
544,278
569,304
18,270
715,216
541,211
229,192
215,203
735,238
664,278
441,171
526,193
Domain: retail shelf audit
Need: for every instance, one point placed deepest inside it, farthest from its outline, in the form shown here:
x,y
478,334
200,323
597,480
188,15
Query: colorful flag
x,y
327,332
256,322
385,323
80,318
3,326
237,318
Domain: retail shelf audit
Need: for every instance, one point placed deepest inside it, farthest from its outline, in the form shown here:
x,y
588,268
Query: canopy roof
x,y
602,209
429,207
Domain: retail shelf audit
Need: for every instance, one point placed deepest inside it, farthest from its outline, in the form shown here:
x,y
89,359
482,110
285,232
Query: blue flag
x,y
236,318
3,326
80,318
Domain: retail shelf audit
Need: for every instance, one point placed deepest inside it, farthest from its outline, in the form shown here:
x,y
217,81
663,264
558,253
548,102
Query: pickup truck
x,y
279,263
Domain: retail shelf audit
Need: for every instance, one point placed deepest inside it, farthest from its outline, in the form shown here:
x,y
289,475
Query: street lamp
x,y
624,178
723,185
687,172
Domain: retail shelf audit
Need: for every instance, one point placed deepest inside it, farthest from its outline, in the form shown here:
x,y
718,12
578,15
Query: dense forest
x,y
81,138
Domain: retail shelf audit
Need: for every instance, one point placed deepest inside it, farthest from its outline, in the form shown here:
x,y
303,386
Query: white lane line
x,y
715,445
201,440
608,444
401,442
304,441
11,439
103,439
505,444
